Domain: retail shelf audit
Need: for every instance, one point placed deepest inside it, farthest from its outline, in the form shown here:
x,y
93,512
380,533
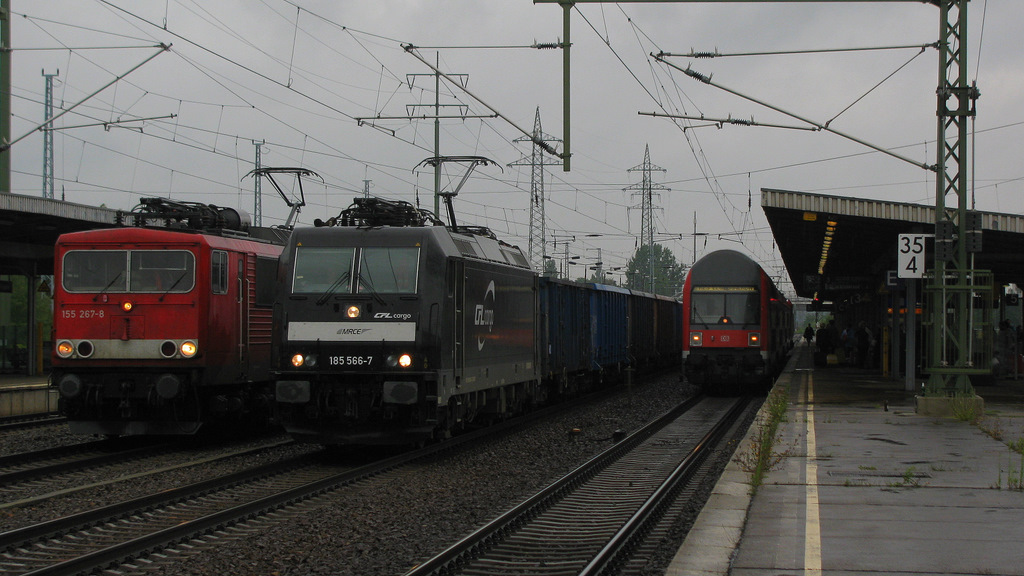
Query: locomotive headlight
x,y
298,360
127,306
754,339
65,348
189,348
311,360
399,360
353,312
696,338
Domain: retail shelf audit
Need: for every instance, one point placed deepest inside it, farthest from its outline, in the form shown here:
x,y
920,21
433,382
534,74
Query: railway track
x,y
18,468
588,521
159,531
136,531
30,421
34,477
98,537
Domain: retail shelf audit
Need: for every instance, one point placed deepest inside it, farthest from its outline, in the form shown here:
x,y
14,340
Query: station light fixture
x,y
826,244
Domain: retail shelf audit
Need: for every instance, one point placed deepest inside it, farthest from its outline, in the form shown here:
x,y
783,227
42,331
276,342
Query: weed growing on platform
x,y
761,456
1014,479
909,480
1017,445
993,428
964,409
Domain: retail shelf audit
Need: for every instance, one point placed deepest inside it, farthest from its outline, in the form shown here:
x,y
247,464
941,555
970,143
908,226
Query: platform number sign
x,y
910,259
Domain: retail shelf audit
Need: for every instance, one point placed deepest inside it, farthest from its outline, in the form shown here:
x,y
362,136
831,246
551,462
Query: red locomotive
x,y
738,326
162,329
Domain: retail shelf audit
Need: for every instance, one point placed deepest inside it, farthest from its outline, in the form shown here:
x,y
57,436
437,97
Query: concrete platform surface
x,y
864,485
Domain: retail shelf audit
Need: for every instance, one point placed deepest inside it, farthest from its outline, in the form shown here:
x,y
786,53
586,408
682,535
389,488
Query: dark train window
x,y
219,272
739,308
161,271
388,270
319,270
95,271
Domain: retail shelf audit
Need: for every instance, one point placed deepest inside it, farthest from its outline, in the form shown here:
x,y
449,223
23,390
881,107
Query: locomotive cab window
x,y
95,271
166,271
716,308
391,270
119,271
320,270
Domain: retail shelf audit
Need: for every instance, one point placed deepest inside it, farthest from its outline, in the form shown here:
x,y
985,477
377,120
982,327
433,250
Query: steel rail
x,y
470,546
119,553
618,547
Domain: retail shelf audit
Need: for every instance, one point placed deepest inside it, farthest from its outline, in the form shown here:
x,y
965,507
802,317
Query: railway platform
x,y
863,485
22,395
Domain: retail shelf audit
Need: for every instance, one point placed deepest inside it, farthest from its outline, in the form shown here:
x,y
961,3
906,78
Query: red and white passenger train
x,y
162,329
738,326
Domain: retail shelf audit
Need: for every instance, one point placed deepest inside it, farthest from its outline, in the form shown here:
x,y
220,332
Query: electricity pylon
x,y
645,189
536,161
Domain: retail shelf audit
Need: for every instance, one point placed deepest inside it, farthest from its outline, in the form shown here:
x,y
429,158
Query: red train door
x,y
242,275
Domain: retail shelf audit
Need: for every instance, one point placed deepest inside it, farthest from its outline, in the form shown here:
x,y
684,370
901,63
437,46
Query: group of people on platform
x,y
853,346
859,346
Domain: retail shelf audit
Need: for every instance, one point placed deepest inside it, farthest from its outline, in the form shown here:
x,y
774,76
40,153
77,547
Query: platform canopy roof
x,y
29,227
836,246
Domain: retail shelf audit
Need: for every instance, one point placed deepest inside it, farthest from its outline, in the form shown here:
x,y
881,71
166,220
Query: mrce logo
x,y
390,316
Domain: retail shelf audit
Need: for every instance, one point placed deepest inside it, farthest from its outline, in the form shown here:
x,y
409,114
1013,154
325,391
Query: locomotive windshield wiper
x,y
107,287
333,288
367,283
161,299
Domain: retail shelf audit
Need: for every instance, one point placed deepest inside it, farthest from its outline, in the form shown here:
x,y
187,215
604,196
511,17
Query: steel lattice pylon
x,y
646,191
536,161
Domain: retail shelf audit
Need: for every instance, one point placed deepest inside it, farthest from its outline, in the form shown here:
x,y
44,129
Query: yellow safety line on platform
x,y
812,528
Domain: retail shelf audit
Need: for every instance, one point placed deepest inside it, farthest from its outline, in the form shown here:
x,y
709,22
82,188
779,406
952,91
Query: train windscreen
x,y
391,270
735,307
134,271
320,270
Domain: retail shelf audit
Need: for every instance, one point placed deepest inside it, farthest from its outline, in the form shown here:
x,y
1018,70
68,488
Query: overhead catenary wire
x,y
699,157
707,80
49,121
583,191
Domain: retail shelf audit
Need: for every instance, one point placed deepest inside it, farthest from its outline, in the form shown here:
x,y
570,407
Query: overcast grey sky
x,y
297,73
